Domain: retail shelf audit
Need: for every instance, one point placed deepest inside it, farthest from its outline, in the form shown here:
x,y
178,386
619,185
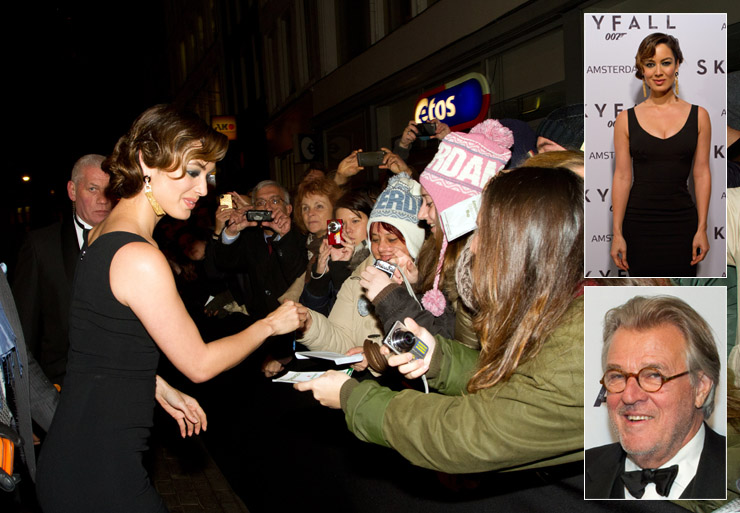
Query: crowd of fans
x,y
494,296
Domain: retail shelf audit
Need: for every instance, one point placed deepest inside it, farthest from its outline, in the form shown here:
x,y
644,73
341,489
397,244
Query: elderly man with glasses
x,y
267,254
661,369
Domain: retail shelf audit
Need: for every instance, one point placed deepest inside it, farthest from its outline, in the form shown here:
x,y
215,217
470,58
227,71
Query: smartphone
x,y
370,158
225,199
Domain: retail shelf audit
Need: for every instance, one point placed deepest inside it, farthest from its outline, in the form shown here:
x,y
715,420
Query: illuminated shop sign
x,y
461,104
226,125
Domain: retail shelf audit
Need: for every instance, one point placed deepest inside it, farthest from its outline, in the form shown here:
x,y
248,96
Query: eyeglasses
x,y
649,379
274,201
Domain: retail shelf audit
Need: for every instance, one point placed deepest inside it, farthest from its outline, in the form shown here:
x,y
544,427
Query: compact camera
x,y
370,158
426,130
259,216
384,266
401,340
334,232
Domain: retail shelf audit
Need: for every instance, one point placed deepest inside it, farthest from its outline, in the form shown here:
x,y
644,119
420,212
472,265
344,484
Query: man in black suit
x,y
42,281
661,370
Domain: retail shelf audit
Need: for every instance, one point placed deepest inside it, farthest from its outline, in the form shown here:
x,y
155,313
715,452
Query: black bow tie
x,y
637,480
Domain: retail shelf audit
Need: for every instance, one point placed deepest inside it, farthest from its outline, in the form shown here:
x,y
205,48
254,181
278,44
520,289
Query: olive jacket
x,y
535,419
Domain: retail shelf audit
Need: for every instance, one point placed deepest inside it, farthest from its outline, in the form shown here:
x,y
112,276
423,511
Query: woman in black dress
x,y
655,220
125,307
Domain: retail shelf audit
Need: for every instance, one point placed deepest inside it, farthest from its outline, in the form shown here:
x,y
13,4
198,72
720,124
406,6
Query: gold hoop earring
x,y
676,83
149,196
644,89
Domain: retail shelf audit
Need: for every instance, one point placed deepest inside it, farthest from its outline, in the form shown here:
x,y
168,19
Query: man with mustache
x,y
661,370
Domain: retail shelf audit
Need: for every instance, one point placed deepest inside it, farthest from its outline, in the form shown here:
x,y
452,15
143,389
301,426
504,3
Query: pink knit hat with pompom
x,y
455,179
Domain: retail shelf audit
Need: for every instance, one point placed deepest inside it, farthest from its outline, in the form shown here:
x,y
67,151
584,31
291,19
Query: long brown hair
x,y
528,265
429,260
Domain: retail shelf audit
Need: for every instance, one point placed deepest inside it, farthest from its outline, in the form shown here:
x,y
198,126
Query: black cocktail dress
x,y
91,458
661,219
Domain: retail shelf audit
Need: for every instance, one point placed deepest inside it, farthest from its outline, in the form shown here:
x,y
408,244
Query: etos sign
x,y
461,104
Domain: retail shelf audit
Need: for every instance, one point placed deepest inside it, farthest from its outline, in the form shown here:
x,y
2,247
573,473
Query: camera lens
x,y
402,341
333,227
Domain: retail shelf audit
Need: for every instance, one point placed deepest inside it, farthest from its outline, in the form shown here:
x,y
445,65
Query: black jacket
x,y
605,464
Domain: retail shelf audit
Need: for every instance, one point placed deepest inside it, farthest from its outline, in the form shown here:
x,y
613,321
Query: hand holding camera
x,y
409,135
408,363
405,263
394,163
374,279
280,223
370,158
348,168
322,261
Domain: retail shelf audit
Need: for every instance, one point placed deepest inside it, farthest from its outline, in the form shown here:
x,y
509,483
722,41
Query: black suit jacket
x,y
604,465
42,286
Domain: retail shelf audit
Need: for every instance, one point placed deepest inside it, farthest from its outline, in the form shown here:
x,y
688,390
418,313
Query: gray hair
x,y
90,160
642,313
267,183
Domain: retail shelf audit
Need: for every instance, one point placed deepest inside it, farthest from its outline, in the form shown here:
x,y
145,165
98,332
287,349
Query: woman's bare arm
x,y
141,279
621,184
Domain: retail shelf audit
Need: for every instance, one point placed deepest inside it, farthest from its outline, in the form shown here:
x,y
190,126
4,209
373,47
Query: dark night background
x,y
79,73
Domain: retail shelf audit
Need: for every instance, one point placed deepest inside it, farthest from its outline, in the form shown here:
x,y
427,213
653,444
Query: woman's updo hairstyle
x,y
647,50
166,138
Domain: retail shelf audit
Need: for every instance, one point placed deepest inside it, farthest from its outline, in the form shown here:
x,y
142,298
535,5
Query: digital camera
x,y
384,266
401,340
334,232
259,216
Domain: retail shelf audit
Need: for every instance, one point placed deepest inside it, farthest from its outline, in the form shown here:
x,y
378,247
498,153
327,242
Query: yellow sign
x,y
226,125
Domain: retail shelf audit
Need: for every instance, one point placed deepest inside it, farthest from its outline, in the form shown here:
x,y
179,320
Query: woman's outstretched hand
x,y
287,317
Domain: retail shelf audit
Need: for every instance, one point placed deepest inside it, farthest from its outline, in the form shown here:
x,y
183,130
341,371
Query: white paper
x,y
461,218
337,358
298,377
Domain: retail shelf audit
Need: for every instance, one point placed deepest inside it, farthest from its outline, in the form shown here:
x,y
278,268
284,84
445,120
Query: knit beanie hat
x,y
398,205
564,126
525,141
455,179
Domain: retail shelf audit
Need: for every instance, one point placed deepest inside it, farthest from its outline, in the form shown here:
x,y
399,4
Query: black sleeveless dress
x,y
661,220
91,458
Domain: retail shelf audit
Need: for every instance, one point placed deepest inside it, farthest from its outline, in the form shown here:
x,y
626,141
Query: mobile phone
x,y
225,199
259,215
370,158
426,130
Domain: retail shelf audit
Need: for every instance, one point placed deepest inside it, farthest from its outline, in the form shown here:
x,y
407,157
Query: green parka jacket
x,y
534,419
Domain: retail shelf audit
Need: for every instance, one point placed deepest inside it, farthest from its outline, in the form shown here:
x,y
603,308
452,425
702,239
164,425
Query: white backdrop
x,y
709,302
610,45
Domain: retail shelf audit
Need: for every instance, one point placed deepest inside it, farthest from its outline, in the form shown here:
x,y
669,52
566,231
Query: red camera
x,y
334,232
